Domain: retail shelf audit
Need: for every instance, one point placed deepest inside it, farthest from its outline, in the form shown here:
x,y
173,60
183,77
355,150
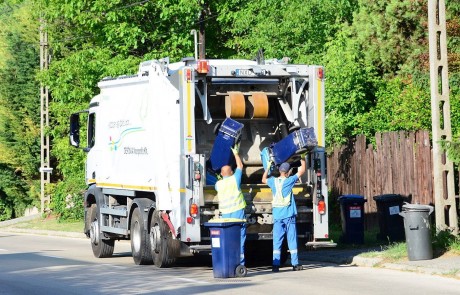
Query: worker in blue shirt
x,y
284,212
231,199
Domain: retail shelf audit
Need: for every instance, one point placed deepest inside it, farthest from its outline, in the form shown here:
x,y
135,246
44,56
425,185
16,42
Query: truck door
x,y
192,163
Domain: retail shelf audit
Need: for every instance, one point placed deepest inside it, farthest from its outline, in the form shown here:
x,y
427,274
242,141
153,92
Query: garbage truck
x,y
149,138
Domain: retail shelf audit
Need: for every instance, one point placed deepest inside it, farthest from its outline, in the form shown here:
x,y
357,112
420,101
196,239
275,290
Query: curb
x,y
365,261
422,269
45,232
18,220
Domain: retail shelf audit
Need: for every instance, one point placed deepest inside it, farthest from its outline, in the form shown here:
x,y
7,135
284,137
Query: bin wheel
x,y
241,271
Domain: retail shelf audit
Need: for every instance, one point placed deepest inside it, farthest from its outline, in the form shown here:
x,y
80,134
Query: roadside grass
x,y
50,223
370,238
392,252
443,242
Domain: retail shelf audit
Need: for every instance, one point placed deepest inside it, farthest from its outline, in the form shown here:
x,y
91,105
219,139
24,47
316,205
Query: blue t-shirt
x,y
287,211
238,174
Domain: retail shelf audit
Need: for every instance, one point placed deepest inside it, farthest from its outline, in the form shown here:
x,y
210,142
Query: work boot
x,y
275,268
297,267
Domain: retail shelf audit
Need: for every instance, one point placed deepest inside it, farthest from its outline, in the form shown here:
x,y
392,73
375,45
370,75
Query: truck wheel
x,y
102,248
160,239
140,244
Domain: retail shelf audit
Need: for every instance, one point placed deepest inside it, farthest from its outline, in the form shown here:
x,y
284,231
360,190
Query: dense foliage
x,y
375,53
19,109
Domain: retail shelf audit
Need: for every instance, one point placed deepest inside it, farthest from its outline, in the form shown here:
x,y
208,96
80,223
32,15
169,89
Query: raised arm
x,y
265,176
302,167
235,150
239,163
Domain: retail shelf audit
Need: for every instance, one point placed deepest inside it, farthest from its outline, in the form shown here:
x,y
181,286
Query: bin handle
x,y
413,227
431,210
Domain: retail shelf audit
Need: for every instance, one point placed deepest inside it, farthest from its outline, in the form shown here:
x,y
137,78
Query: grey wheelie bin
x,y
418,231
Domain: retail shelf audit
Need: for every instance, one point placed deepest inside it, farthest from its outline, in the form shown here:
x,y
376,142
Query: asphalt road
x,y
31,264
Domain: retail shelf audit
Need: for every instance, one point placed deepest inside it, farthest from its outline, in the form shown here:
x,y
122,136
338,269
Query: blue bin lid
x,y
231,127
224,222
351,198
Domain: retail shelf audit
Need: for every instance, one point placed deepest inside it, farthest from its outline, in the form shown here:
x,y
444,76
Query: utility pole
x,y
45,170
443,168
201,33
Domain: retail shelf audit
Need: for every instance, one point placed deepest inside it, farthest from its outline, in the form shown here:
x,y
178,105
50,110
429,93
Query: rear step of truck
x,y
321,244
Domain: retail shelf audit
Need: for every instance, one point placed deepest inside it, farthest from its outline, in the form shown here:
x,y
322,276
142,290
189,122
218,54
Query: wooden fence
x,y
400,163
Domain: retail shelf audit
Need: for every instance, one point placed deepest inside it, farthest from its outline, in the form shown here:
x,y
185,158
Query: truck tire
x,y
160,241
140,244
102,248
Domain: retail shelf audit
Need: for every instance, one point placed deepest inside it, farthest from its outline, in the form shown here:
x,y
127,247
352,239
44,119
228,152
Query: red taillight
x,y
189,220
193,210
202,66
320,73
197,176
188,75
321,207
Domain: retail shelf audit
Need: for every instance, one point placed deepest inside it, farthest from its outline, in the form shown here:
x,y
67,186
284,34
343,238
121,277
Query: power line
x,y
92,36
157,22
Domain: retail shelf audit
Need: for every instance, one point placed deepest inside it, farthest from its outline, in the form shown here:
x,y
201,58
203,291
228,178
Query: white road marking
x,y
114,266
50,256
191,280
54,268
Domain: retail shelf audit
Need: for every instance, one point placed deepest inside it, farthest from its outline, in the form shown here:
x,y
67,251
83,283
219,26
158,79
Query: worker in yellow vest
x,y
231,199
284,212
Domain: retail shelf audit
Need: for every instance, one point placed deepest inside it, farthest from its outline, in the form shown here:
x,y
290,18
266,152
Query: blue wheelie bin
x,y
300,140
228,135
225,236
352,215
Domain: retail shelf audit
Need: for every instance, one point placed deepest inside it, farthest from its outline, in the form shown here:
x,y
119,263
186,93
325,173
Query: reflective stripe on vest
x,y
230,197
278,199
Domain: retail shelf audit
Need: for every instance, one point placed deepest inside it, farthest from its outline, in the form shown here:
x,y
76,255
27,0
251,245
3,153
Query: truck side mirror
x,y
74,135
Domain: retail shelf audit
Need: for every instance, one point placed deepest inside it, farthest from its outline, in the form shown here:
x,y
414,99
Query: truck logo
x,y
114,144
135,151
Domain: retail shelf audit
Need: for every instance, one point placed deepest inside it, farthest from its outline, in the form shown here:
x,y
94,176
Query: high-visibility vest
x,y
230,196
278,199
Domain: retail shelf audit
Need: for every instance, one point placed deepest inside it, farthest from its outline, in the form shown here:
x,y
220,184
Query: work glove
x,y
235,149
269,165
303,156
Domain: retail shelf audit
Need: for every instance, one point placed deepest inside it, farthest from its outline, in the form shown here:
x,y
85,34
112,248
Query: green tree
x,y
296,29
19,108
95,39
351,86
376,69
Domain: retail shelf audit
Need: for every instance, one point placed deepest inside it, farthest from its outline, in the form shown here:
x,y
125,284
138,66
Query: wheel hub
x,y
155,238
94,232
136,237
